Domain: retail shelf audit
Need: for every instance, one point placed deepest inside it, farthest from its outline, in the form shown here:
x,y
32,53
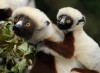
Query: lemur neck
x,y
56,35
78,31
45,63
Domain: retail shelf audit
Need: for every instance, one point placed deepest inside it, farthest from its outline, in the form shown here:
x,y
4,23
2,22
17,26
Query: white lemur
x,y
87,51
52,54
8,6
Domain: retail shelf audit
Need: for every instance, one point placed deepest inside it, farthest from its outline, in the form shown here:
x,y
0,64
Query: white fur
x,y
3,4
86,49
19,3
73,13
14,4
64,65
47,33
74,72
32,3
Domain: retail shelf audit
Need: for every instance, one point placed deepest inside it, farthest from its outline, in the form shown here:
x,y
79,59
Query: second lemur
x,y
87,51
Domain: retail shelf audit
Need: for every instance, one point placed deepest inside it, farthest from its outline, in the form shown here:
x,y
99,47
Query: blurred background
x,y
90,8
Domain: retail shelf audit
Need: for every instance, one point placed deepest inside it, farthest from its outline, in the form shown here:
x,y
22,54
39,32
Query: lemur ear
x,y
83,19
47,22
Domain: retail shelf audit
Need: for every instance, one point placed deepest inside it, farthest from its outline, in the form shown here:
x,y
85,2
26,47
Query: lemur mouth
x,y
64,26
17,31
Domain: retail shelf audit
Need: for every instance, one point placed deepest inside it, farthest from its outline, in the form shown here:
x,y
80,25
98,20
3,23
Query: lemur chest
x,y
82,42
66,65
84,47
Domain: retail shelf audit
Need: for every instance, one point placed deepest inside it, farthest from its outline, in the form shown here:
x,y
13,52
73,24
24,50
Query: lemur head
x,y
70,19
8,6
31,24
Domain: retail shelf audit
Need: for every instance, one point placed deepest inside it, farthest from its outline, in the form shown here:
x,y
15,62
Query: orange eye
x,y
59,18
28,24
68,21
16,20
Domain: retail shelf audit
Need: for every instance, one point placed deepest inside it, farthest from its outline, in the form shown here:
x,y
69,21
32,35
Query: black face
x,y
5,13
64,22
23,26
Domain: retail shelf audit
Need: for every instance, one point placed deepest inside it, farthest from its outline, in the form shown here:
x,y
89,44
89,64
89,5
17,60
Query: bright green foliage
x,y
13,50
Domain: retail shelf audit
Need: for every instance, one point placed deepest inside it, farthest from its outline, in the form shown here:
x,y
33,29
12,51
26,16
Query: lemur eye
x,y
28,24
59,18
16,20
68,21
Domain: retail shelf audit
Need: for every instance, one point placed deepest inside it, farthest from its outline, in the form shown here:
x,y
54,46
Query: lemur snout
x,y
16,27
61,25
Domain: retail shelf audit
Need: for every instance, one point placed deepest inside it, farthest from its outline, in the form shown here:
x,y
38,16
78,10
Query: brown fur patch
x,y
65,48
44,64
84,70
9,12
5,13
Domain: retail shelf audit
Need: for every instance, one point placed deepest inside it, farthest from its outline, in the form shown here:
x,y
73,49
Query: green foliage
x,y
14,50
20,67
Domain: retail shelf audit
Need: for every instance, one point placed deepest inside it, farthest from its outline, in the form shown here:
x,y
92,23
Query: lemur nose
x,y
16,27
5,13
61,23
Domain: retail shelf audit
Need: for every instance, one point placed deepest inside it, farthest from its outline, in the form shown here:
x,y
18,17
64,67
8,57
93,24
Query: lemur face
x,y
23,26
69,19
30,24
64,22
27,28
